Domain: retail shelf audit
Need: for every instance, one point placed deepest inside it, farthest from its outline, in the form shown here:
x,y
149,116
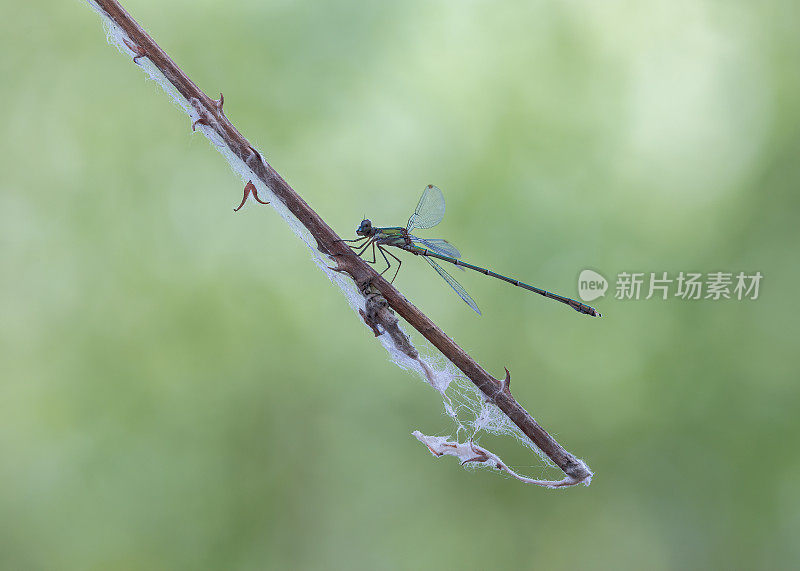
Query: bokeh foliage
x,y
181,388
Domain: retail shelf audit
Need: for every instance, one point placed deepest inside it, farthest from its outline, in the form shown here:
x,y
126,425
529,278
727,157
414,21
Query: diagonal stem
x,y
328,242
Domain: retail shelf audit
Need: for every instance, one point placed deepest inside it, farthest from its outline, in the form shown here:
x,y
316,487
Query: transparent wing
x,y
454,284
430,209
437,245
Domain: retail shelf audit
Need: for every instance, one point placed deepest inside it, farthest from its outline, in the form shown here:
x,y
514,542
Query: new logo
x,y
591,285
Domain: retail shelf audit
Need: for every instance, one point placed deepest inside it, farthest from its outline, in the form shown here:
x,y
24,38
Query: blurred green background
x,y
182,388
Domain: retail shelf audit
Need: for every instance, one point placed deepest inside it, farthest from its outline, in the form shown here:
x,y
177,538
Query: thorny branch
x,y
380,295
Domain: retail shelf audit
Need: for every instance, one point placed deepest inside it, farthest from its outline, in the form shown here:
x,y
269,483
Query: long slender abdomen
x,y
576,305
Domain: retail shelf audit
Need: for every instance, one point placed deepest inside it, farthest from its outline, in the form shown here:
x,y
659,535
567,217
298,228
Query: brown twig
x,y
210,115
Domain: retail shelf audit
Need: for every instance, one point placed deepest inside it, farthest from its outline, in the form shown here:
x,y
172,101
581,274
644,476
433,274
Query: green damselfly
x,y
429,213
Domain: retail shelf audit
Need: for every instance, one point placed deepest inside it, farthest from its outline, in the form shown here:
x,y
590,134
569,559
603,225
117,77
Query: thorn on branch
x,y
219,102
249,189
138,50
434,452
480,455
199,121
505,384
505,387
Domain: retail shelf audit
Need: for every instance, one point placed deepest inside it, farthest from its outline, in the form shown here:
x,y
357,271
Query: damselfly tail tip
x,y
584,309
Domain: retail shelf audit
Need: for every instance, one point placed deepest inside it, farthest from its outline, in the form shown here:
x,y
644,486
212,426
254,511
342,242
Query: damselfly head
x,y
365,229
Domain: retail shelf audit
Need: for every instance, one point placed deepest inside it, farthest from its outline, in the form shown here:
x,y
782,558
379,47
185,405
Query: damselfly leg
x,y
384,252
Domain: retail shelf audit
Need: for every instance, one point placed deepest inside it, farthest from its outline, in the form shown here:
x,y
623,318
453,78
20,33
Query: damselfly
x,y
428,214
